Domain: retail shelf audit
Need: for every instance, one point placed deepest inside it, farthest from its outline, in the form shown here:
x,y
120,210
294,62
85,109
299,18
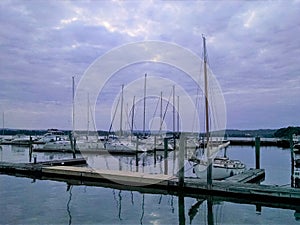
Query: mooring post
x,y
292,160
136,154
74,149
154,150
34,159
72,145
257,152
166,155
210,212
30,148
181,161
181,208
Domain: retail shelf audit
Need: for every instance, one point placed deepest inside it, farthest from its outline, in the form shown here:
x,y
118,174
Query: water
x,y
27,201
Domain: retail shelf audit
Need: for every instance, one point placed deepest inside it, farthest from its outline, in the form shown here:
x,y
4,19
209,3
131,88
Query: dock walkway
x,y
236,186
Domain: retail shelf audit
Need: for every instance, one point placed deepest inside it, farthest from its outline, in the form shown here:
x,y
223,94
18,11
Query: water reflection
x,y
69,189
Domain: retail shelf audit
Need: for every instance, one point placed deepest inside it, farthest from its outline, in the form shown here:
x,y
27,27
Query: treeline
x,y
37,132
287,132
266,133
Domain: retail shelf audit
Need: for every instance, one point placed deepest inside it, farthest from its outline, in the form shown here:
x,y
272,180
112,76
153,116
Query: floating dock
x,y
264,142
237,186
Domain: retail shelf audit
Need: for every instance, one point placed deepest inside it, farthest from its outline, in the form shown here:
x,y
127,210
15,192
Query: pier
x,y
234,187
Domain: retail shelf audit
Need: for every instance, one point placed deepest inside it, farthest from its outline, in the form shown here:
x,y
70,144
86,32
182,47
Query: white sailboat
x,y
121,142
209,166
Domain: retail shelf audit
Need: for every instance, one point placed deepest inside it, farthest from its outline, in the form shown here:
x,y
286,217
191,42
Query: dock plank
x,y
170,183
248,176
114,175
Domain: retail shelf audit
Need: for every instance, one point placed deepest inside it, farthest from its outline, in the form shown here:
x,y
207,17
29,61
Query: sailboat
x,y
210,166
122,143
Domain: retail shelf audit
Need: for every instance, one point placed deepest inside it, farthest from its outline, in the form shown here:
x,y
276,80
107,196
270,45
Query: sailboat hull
x,y
219,172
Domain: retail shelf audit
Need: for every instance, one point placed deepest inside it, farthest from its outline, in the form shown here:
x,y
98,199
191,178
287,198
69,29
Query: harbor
x,y
158,113
74,174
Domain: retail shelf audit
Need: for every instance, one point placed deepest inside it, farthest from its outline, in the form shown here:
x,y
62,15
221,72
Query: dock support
x,y
166,155
257,152
292,161
72,144
210,213
181,209
181,161
30,149
136,154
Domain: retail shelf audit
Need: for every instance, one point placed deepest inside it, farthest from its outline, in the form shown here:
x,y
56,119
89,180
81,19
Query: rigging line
x,y
154,113
127,116
111,124
196,109
165,112
93,121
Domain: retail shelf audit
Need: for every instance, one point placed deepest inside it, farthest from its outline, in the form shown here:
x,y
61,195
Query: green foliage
x,y
287,132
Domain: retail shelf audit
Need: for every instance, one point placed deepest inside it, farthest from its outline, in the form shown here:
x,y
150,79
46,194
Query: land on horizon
x,y
265,133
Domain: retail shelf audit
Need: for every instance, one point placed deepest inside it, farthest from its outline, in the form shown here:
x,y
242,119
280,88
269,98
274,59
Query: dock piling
x,y
166,155
30,149
292,161
181,161
257,152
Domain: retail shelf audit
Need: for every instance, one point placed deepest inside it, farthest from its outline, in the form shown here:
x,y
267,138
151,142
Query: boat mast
x,y
144,115
121,113
73,105
161,113
209,169
88,115
178,116
132,116
3,123
173,110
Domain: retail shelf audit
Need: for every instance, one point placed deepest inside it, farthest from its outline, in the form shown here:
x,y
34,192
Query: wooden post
x,y
257,152
181,209
136,154
72,145
74,150
292,161
209,173
30,149
210,212
181,161
166,155
154,150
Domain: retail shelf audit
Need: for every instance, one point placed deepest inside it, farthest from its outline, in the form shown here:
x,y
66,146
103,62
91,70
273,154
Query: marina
x,y
237,190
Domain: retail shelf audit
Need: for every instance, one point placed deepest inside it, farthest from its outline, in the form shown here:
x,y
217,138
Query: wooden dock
x,y
235,187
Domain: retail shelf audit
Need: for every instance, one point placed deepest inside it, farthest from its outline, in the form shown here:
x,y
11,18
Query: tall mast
x,y
161,115
132,116
173,110
3,123
206,92
144,115
88,114
73,105
121,113
209,169
178,115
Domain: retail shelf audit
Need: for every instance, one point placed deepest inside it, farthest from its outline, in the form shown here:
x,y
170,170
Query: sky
x,y
253,52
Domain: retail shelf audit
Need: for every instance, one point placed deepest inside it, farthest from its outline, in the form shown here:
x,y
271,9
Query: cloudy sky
x,y
253,50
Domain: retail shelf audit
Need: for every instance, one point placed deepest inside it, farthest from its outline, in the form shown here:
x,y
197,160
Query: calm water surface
x,y
28,201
